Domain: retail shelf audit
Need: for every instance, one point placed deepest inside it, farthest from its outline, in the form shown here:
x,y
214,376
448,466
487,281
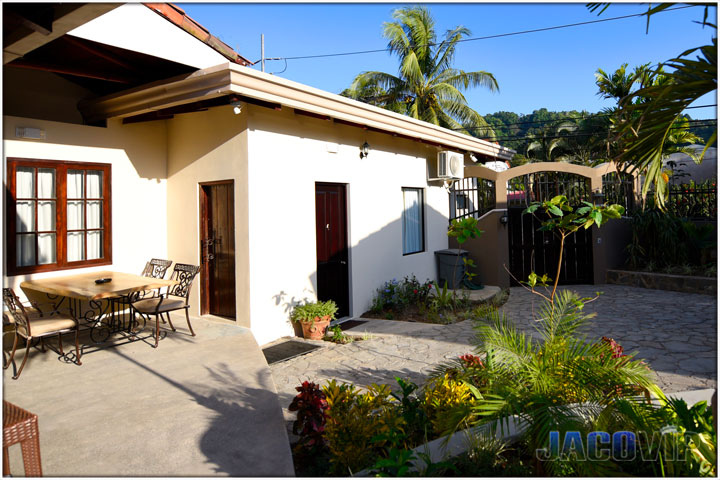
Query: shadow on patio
x,y
194,407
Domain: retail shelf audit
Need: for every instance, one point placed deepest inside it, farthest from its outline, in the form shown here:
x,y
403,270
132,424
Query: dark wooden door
x,y
332,249
217,245
532,250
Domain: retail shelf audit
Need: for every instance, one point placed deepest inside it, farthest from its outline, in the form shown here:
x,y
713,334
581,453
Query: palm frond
x,y
563,317
648,124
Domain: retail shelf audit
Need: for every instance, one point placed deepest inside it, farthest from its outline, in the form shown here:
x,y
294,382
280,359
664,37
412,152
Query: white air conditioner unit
x,y
450,165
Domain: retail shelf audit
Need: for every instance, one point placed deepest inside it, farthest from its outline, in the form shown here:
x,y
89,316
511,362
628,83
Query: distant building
x,y
685,169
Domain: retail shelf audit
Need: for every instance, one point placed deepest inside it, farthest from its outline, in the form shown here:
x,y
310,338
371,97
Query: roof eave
x,y
229,79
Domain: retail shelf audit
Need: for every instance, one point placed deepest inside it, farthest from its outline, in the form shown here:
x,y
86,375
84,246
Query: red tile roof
x,y
176,15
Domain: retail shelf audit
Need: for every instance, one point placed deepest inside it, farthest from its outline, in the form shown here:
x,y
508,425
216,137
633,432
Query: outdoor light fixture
x,y
237,107
504,218
364,150
598,198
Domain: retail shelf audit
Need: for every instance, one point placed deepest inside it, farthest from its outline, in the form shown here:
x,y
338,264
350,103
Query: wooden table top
x,y
83,286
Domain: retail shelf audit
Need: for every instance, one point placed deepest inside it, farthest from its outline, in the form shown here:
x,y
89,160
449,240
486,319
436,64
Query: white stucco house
x,y
173,147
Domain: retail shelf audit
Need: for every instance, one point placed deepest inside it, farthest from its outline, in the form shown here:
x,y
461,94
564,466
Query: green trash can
x,y
449,262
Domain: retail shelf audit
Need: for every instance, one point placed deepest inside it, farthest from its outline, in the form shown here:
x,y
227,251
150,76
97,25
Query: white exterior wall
x,y
135,27
287,154
138,157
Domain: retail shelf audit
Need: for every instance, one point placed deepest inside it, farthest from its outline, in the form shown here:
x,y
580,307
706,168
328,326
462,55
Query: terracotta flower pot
x,y
315,330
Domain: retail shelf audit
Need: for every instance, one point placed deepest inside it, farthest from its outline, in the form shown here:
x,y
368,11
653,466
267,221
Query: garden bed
x,y
663,281
409,300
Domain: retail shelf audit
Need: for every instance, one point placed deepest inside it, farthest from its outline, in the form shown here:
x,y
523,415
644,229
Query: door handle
x,y
343,262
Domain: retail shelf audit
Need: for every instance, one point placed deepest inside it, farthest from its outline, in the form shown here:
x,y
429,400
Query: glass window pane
x,y
75,246
94,245
46,248
94,214
25,216
412,221
25,250
25,182
75,214
46,215
94,184
46,183
75,184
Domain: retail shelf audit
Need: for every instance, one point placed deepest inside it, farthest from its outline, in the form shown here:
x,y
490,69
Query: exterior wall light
x,y
237,107
598,198
504,218
364,150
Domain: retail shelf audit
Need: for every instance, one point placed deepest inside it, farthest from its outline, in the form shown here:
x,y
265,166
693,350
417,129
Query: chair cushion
x,y
42,326
150,304
9,319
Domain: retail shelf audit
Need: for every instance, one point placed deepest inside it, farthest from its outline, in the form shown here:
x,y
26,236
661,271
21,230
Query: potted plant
x,y
314,317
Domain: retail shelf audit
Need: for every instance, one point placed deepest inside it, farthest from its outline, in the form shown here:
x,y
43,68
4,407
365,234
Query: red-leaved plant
x,y
617,349
310,404
471,360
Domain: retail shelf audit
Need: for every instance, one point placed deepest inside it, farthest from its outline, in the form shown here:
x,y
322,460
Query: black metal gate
x,y
532,250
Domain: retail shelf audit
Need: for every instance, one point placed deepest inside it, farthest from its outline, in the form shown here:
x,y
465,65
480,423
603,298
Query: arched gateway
x,y
512,246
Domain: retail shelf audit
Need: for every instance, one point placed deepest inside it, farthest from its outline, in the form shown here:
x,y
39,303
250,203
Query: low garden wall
x,y
663,281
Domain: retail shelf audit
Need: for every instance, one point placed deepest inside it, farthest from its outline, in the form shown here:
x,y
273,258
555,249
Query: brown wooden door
x,y
217,244
332,249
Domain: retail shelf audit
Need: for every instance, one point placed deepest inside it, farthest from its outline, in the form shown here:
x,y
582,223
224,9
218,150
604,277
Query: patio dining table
x,y
102,308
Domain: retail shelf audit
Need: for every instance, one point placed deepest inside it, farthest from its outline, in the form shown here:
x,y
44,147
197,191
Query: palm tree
x,y
620,83
550,144
649,114
426,87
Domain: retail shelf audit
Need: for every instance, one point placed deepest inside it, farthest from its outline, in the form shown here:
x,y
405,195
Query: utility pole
x,y
262,52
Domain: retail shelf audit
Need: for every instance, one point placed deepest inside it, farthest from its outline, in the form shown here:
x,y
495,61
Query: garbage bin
x,y
449,263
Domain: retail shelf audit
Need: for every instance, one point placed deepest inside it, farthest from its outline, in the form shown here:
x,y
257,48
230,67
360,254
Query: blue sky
x,y
553,69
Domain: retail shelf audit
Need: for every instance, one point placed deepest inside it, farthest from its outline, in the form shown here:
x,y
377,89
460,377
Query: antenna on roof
x,y
262,52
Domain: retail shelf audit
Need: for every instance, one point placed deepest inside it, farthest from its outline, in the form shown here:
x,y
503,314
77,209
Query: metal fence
x,y
693,202
619,188
471,197
541,186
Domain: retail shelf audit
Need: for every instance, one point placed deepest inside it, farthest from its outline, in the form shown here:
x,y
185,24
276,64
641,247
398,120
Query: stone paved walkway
x,y
675,332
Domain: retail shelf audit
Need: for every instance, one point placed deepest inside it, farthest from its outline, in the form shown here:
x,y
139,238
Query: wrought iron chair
x,y
156,268
37,324
177,297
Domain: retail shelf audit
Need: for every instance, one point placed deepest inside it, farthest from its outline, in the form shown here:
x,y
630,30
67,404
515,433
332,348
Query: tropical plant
x,y
463,230
648,115
310,405
551,144
336,335
542,381
308,312
661,240
360,425
621,83
395,296
564,221
427,87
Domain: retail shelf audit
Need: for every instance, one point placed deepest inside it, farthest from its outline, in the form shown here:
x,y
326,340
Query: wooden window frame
x,y
422,218
61,169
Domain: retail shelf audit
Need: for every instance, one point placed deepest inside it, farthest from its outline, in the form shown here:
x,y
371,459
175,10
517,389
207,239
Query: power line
x,y
562,119
488,37
712,123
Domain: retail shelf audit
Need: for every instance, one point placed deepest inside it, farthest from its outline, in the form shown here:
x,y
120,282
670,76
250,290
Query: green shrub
x,y
309,311
396,296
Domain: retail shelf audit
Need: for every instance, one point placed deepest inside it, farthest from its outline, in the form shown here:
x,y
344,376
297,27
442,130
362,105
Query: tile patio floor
x,y
202,406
